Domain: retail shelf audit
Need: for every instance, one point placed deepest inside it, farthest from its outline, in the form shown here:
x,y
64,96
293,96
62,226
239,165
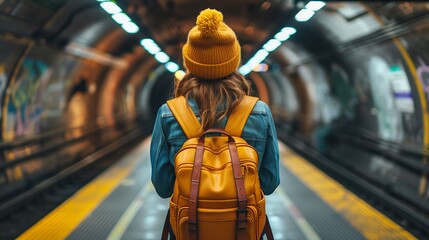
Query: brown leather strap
x,y
238,117
239,183
267,229
241,192
185,116
193,194
166,228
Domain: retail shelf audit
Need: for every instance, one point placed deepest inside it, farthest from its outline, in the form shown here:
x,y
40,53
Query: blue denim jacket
x,y
168,138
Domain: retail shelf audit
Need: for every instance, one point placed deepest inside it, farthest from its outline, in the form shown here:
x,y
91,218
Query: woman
x,y
212,87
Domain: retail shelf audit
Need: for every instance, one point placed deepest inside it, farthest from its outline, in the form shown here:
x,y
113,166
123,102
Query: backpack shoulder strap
x,y
185,117
238,117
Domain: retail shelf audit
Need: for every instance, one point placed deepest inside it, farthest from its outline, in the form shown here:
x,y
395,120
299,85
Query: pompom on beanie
x,y
212,50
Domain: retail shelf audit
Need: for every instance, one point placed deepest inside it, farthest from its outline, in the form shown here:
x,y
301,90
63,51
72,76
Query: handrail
x,y
50,148
413,165
367,141
49,134
404,147
54,146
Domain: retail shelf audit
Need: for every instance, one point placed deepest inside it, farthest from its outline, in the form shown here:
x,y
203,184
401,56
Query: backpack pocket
x,y
261,215
173,217
215,224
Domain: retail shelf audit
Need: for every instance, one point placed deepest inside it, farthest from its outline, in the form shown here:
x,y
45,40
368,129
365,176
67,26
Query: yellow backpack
x,y
217,193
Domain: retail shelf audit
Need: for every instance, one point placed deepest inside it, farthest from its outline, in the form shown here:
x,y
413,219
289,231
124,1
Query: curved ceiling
x,y
168,22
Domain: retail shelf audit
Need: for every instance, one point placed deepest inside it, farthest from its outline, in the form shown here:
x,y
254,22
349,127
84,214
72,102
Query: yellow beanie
x,y
212,50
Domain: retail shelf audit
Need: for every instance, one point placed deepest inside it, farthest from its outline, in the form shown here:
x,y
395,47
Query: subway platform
x,y
121,203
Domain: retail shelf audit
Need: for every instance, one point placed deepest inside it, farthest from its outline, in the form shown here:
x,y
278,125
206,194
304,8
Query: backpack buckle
x,y
240,210
192,226
242,205
242,218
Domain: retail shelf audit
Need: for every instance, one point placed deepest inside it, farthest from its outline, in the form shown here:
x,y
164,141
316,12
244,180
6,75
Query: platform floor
x,y
121,203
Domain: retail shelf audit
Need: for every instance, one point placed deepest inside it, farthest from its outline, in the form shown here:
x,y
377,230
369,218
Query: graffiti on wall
x,y
25,106
3,81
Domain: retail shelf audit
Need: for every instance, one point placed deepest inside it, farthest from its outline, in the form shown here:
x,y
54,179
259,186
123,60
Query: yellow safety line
x,y
364,218
59,223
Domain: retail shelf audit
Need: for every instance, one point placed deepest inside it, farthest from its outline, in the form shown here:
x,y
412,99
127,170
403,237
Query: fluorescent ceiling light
x,y
244,69
172,67
162,57
110,7
253,62
289,30
150,46
304,15
315,5
261,54
282,36
272,45
258,58
121,18
130,27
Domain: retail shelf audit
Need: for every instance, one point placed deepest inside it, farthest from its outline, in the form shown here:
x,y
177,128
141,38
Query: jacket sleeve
x,y
163,175
269,173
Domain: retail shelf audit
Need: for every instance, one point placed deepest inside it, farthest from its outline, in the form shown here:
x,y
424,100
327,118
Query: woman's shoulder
x,y
260,108
165,111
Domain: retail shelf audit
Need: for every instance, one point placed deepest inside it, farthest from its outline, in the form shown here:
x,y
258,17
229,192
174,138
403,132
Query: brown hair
x,y
215,98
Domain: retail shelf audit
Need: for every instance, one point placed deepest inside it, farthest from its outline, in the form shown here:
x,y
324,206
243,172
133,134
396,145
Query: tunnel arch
x,y
354,71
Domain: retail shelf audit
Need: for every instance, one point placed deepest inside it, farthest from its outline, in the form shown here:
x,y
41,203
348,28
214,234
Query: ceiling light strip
x,y
303,15
119,16
268,47
129,26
